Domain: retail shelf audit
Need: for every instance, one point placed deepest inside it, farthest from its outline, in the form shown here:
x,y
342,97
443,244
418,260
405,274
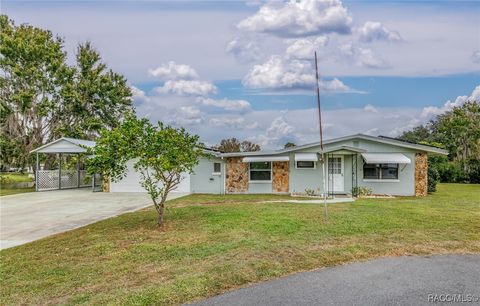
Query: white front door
x,y
335,174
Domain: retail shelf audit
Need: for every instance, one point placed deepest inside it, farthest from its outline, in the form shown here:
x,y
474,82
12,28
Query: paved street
x,y
386,281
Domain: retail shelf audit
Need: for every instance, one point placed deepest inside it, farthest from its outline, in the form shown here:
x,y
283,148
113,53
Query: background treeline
x,y
458,131
44,96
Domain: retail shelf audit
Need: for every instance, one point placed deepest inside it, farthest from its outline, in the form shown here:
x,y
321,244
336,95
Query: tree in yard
x,y
43,98
234,145
160,153
248,146
289,145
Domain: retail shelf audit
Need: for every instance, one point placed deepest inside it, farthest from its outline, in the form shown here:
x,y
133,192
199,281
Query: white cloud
x,y
372,31
172,71
370,108
431,111
476,57
232,123
277,73
187,87
277,134
241,106
304,48
138,95
246,50
299,18
284,74
362,57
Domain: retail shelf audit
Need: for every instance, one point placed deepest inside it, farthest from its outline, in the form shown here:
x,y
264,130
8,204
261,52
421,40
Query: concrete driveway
x,y
434,280
31,216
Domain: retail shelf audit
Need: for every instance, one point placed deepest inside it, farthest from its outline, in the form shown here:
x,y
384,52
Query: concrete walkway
x,y
31,216
386,281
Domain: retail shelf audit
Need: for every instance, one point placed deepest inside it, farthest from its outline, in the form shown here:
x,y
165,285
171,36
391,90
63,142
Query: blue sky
x,y
244,68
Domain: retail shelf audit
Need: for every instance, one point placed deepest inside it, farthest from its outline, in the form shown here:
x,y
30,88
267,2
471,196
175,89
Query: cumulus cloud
x,y
277,134
246,50
373,31
187,87
370,108
431,111
299,18
476,57
241,106
362,57
138,95
173,71
304,48
279,73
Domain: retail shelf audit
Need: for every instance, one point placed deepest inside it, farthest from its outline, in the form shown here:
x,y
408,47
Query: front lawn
x,y
212,244
13,183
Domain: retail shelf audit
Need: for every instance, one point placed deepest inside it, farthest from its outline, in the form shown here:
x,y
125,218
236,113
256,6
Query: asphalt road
x,y
386,281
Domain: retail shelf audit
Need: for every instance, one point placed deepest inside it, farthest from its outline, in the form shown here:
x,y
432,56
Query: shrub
x,y
309,191
433,177
361,191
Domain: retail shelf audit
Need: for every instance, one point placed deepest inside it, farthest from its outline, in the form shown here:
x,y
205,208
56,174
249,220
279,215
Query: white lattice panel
x,y
47,179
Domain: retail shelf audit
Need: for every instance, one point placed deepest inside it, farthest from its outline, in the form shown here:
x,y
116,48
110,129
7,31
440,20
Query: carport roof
x,y
65,145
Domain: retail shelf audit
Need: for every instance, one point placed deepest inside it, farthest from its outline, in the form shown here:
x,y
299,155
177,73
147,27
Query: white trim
x,y
260,182
385,158
217,173
258,159
301,168
306,157
381,180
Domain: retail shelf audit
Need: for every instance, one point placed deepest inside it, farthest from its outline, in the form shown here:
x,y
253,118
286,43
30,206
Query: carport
x,y
67,175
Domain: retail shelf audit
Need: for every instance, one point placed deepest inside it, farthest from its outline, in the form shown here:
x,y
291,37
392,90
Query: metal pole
x,y
60,171
36,173
321,138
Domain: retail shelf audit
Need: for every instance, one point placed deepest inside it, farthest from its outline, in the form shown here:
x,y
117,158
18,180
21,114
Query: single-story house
x,y
385,165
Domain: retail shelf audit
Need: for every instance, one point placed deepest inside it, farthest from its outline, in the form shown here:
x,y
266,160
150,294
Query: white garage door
x,y
131,182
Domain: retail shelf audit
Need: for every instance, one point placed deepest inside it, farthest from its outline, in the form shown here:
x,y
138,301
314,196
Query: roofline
x,y
58,140
398,143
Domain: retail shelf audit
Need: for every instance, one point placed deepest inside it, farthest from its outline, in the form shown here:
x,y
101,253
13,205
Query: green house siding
x,y
202,180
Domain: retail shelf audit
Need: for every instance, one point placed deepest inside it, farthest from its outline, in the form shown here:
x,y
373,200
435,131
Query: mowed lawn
x,y
212,244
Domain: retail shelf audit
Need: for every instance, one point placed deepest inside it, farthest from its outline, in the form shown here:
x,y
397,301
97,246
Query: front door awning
x,y
253,159
385,158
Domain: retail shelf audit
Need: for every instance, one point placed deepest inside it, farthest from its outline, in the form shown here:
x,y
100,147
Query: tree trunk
x,y
160,215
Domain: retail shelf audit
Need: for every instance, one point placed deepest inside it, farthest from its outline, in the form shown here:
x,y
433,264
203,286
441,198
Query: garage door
x,y
131,182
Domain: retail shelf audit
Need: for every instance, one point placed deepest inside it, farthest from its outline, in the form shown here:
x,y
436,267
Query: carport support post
x,y
78,170
36,173
60,172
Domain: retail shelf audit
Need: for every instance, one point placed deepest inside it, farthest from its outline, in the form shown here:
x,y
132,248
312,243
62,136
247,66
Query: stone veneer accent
x,y
236,175
421,174
280,178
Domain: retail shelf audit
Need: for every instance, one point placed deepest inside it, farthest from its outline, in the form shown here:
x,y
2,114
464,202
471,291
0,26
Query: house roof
x,y
390,141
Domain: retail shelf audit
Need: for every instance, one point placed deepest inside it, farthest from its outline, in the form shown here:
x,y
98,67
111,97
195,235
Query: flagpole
x,y
321,141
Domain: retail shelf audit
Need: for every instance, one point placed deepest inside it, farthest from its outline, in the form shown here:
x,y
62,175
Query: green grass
x,y
12,177
212,244
10,191
9,178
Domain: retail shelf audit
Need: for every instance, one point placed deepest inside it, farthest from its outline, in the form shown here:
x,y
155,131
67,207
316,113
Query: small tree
x,y
161,154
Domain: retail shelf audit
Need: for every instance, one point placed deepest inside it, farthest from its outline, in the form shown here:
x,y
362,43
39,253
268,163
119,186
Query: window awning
x,y
253,159
385,158
306,157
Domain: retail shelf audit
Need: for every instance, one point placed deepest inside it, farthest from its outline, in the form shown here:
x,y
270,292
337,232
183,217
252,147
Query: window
x,y
335,165
261,171
217,168
380,171
306,164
